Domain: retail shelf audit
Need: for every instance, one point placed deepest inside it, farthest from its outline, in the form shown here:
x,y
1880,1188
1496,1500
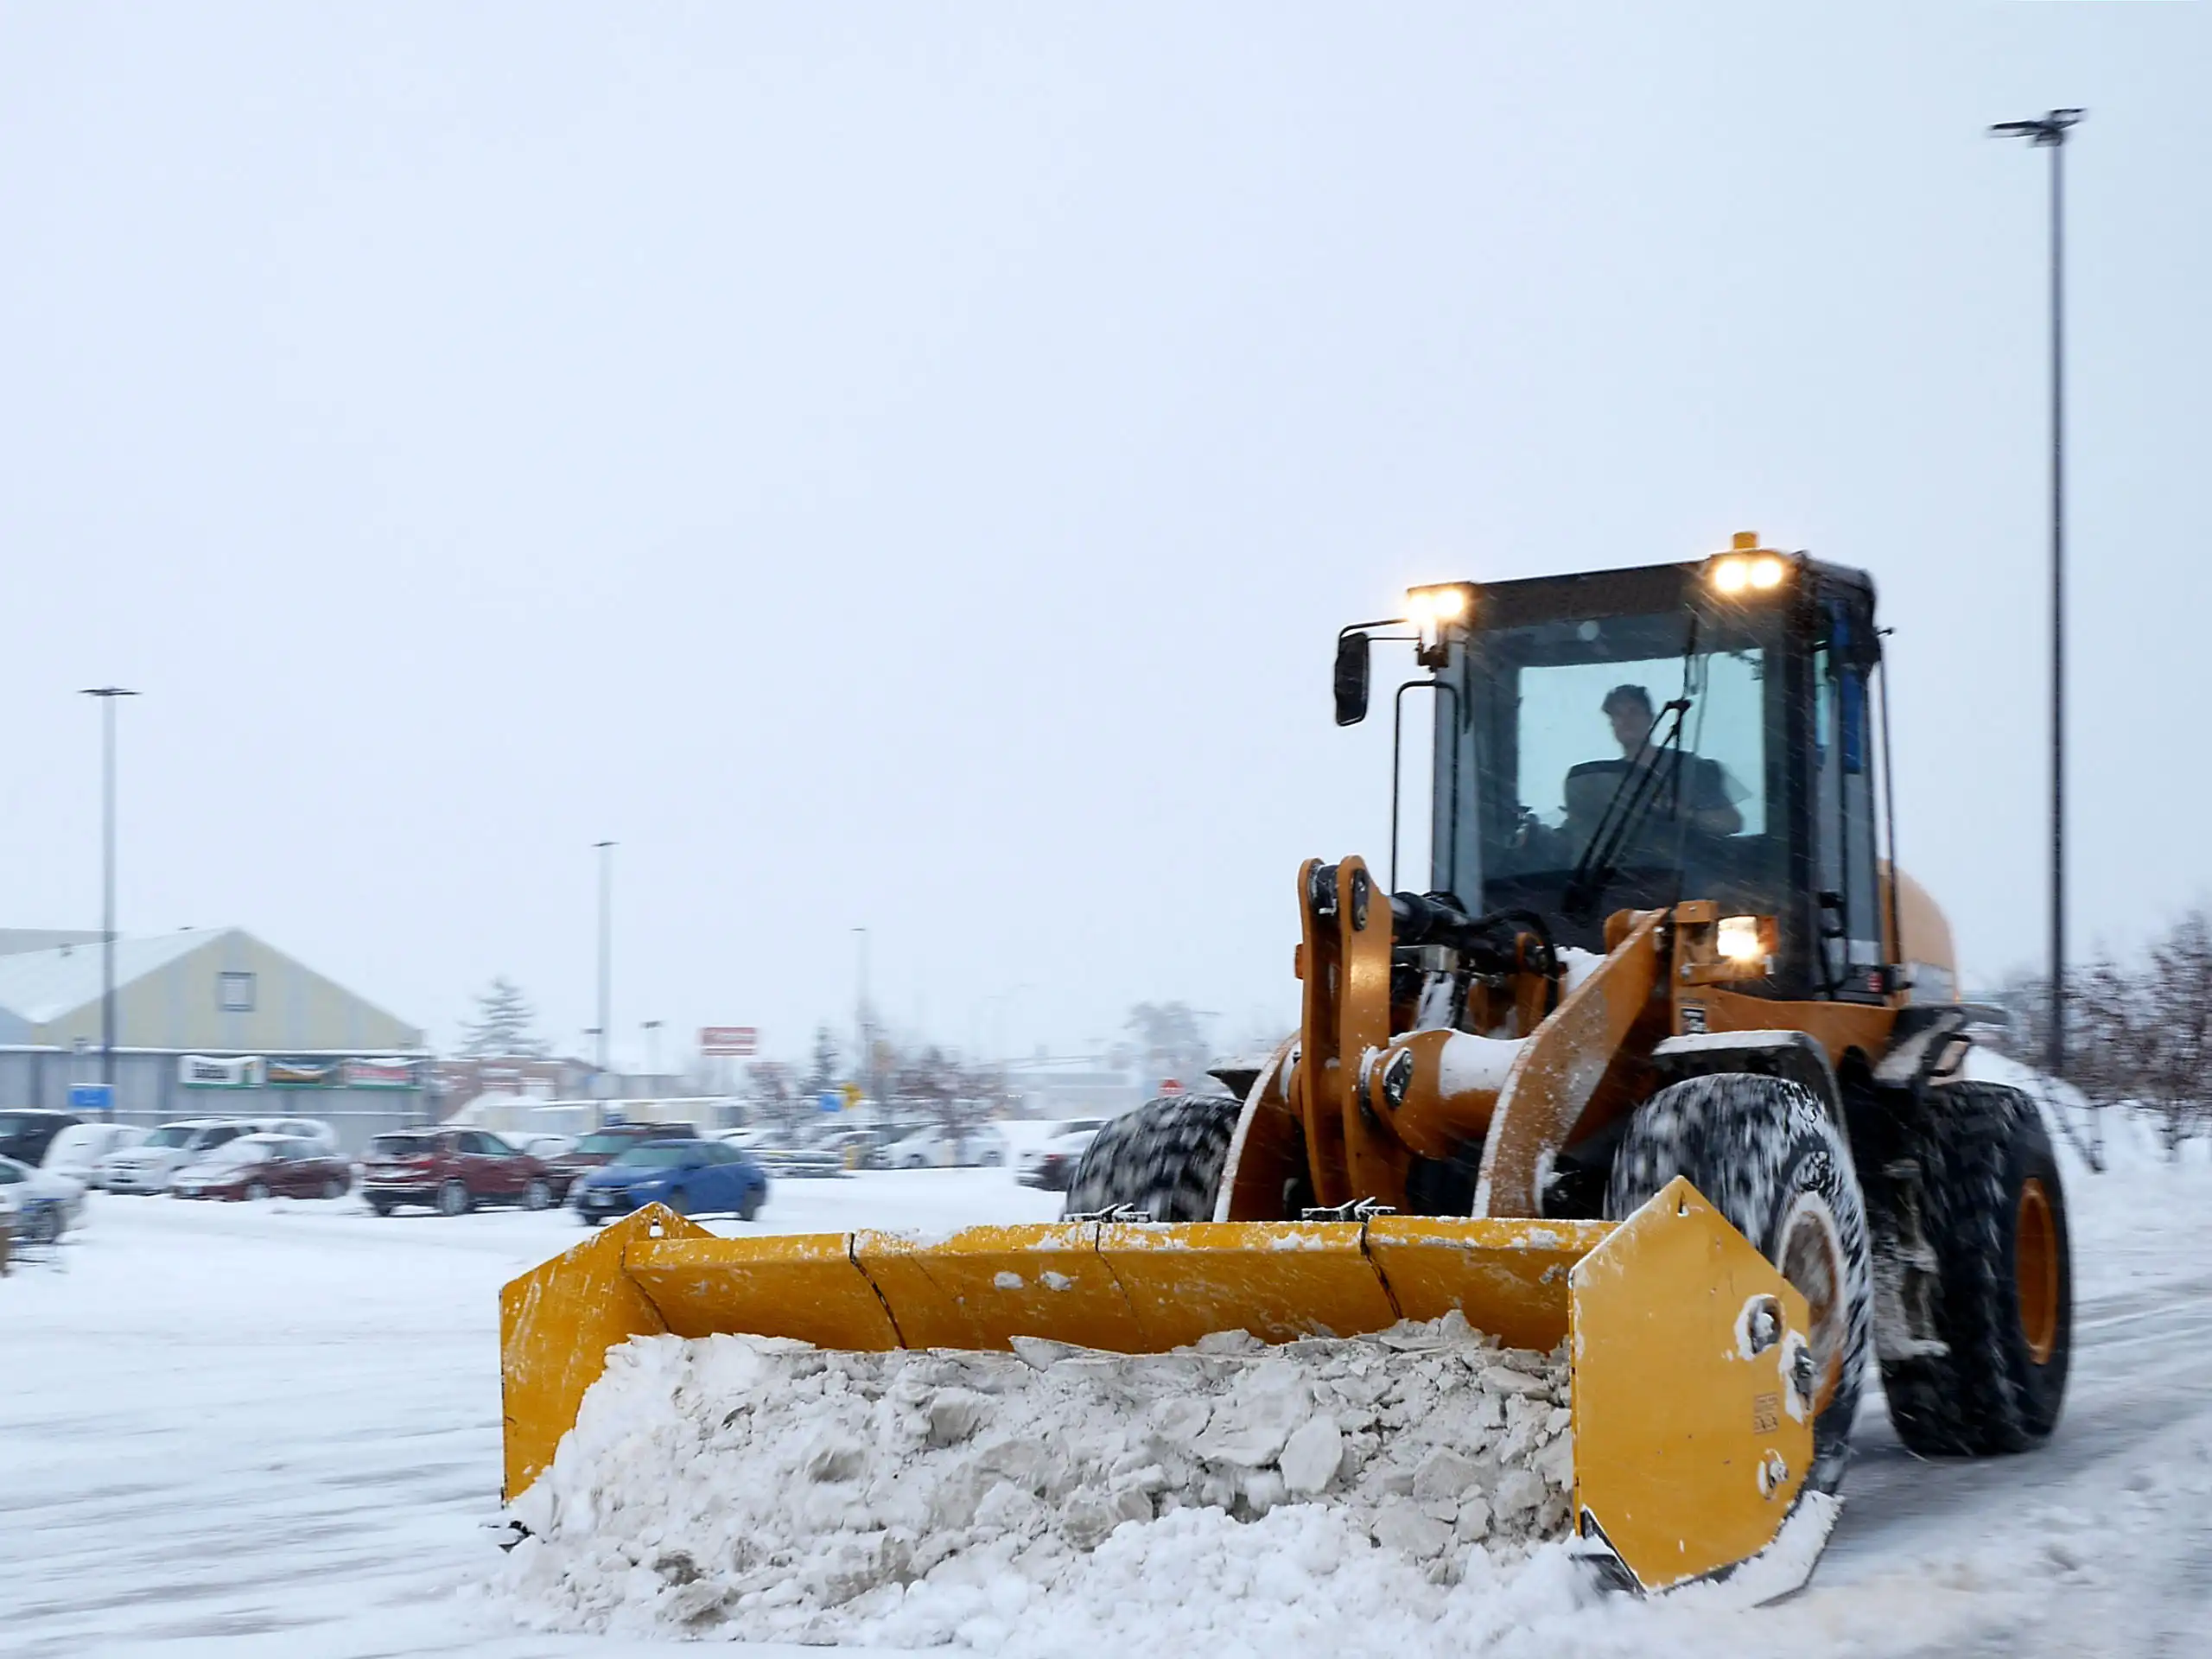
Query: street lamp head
x,y
2045,129
107,691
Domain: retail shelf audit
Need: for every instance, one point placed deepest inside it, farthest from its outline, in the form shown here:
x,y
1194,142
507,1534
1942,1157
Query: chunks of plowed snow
x,y
761,1488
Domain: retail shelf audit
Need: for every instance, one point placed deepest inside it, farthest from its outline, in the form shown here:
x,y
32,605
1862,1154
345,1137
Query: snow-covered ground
x,y
273,1430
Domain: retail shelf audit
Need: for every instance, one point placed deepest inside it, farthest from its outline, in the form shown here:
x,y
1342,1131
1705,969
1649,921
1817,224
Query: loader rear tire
x,y
1164,1158
1776,1164
1977,1186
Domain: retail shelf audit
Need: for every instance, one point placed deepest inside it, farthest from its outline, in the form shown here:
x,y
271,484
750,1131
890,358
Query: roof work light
x,y
1747,568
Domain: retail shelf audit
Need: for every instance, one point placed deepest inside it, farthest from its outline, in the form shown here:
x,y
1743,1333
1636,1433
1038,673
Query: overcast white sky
x,y
904,465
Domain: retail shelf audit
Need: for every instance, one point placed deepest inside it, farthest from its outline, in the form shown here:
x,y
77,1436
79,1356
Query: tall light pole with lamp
x,y
2048,131
606,1026
107,695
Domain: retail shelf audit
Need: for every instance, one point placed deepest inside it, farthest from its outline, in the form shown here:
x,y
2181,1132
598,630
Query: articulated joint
x,y
1434,1090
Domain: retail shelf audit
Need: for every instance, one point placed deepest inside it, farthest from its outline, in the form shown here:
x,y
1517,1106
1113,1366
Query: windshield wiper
x,y
1632,799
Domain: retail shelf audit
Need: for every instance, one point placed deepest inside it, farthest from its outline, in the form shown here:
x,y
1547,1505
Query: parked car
x,y
546,1147
451,1170
300,1128
266,1165
938,1147
151,1164
46,1206
693,1177
25,1136
1051,1166
603,1146
77,1150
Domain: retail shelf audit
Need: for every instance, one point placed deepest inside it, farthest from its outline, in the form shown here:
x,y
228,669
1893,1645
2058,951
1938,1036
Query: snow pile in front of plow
x,y
758,1488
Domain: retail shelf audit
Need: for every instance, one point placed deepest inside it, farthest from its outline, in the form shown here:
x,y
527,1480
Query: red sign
x,y
739,1040
1171,1085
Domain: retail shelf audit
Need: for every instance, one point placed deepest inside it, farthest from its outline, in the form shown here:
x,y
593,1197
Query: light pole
x,y
2048,131
605,849
867,1067
107,695
653,1046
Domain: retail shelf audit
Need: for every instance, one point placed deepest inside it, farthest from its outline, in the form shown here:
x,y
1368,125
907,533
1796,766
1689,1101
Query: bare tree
x,y
931,1083
2139,1035
775,1095
2151,1046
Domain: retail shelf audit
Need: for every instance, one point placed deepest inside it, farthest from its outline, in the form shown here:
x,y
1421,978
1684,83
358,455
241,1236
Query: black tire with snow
x,y
1973,1385
1772,1161
1164,1158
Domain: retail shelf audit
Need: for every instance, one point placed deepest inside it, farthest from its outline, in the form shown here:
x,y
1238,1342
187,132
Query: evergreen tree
x,y
822,1073
502,1028
1171,1043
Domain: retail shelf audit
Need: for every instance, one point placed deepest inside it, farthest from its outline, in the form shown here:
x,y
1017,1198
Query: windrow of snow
x,y
758,1488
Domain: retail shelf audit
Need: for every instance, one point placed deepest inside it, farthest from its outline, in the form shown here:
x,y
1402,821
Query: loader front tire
x,y
1766,1156
1975,1197
1164,1158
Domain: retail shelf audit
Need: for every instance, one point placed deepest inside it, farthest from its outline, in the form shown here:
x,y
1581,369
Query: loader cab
x,y
1622,739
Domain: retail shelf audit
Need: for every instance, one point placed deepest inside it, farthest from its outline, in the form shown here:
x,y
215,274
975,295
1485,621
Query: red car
x,y
265,1166
451,1170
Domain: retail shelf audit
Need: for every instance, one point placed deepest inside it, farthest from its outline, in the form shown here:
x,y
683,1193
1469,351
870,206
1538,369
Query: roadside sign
x,y
1171,1086
741,1041
830,1101
852,1096
91,1097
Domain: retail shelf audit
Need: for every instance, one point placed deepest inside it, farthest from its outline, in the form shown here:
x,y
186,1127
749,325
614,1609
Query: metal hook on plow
x,y
1356,1210
1114,1212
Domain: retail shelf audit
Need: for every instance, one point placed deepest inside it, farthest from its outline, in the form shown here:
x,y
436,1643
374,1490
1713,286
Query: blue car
x,y
695,1178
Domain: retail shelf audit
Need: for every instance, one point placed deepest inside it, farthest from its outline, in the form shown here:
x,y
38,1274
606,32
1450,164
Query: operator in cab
x,y
1639,789
1709,794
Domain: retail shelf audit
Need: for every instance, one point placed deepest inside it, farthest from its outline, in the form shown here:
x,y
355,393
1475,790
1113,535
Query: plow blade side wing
x,y
1692,1413
1687,1455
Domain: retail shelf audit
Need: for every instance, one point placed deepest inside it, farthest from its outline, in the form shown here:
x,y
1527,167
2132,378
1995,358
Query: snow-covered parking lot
x,y
273,1430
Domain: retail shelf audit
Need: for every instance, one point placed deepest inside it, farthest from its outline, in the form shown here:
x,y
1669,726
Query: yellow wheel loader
x,y
1662,1063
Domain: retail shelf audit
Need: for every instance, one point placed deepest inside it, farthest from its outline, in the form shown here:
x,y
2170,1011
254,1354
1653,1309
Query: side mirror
x,y
1352,679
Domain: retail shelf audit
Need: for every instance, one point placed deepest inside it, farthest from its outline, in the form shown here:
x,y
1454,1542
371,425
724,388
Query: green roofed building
x,y
208,1022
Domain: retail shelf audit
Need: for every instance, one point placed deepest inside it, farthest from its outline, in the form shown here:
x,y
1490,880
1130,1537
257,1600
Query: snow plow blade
x,y
1690,1382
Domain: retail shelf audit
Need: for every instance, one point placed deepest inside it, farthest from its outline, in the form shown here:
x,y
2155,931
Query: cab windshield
x,y
1627,757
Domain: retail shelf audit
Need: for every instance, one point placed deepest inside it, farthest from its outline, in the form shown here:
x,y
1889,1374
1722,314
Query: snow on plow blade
x,y
1690,1384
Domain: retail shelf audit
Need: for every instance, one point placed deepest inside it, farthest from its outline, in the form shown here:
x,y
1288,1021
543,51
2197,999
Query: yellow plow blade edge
x,y
1691,1429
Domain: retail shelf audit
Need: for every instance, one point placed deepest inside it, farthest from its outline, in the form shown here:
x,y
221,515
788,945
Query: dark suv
x,y
451,1170
602,1147
25,1136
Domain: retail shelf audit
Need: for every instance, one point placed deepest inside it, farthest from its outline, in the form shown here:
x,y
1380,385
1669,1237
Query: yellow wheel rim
x,y
2035,1269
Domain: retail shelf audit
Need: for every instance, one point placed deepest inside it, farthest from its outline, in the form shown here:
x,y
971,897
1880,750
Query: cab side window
x,y
1845,809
